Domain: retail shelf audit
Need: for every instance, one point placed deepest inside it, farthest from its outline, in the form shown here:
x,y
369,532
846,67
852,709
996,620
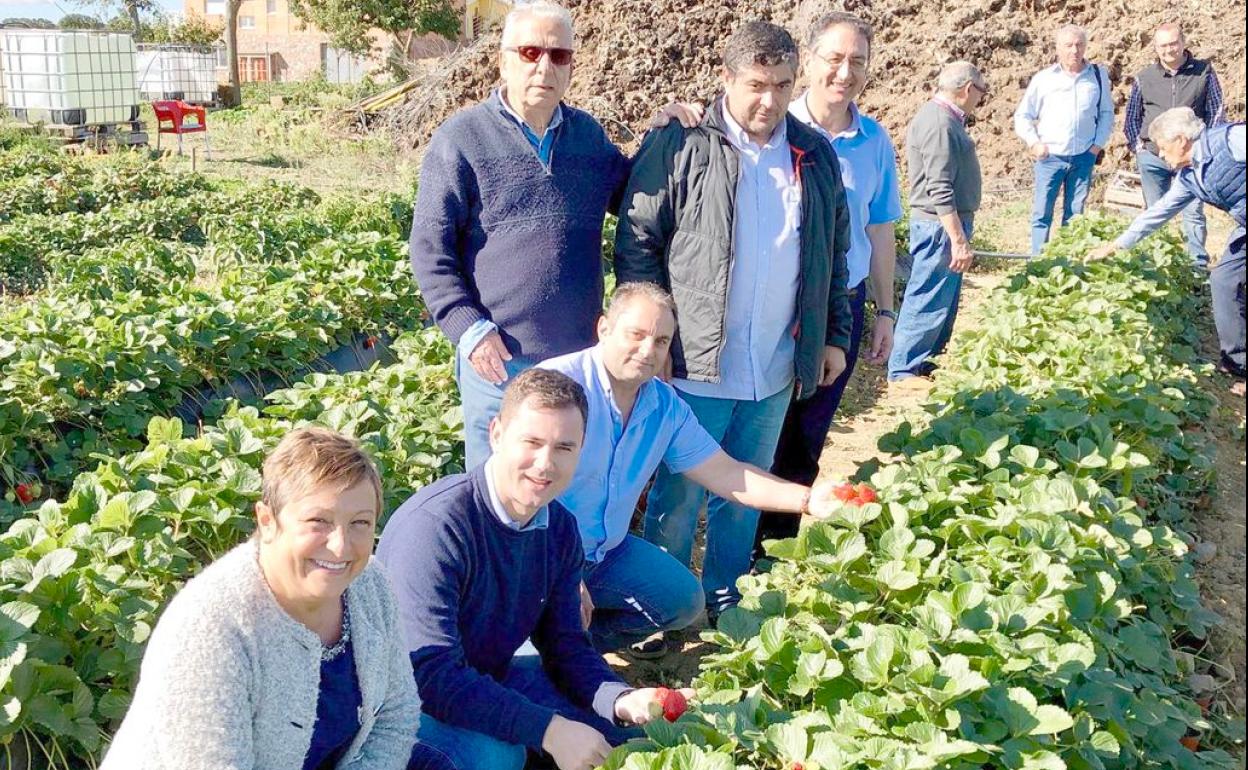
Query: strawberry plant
x,y
93,370
1004,601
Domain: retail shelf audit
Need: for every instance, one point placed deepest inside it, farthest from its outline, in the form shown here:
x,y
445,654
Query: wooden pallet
x,y
130,133
1124,193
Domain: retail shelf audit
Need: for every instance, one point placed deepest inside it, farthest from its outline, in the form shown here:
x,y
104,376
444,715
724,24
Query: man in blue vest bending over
x,y
1210,167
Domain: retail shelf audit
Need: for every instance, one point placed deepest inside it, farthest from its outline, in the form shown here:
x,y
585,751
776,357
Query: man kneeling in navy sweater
x,y
482,561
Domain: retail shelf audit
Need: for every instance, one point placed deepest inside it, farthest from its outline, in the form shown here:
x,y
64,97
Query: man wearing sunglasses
x,y
506,235
743,219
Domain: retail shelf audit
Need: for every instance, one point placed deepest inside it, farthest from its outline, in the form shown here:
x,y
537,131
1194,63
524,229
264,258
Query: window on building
x,y
214,8
246,22
270,6
253,69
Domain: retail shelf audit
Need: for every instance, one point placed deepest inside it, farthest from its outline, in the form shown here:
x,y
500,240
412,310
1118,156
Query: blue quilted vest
x,y
1218,169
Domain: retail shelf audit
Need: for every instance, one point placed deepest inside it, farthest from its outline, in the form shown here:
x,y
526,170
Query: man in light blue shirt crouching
x,y
637,422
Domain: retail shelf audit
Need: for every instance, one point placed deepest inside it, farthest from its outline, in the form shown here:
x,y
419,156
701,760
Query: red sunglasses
x,y
530,54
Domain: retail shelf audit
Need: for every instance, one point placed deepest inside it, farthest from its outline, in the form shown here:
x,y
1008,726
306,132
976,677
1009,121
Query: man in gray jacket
x,y
945,190
743,219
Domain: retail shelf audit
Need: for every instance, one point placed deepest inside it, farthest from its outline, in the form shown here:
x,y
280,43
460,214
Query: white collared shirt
x,y
759,346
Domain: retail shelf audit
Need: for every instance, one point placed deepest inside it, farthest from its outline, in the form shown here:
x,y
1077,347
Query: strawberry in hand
x,y
824,497
864,493
652,703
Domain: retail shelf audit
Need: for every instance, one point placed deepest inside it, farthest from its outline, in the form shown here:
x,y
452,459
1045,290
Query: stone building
x,y
276,45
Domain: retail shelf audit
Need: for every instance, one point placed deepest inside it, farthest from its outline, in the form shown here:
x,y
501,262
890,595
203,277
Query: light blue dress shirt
x,y
869,172
1069,113
757,357
618,459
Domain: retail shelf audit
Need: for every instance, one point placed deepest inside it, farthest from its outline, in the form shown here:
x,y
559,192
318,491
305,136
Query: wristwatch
x,y
887,314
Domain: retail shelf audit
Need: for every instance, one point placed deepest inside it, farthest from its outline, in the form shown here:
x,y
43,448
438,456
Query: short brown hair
x,y
625,293
310,457
840,19
548,390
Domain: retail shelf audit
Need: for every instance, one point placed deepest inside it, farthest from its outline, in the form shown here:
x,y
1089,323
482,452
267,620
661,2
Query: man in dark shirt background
x,y
1176,79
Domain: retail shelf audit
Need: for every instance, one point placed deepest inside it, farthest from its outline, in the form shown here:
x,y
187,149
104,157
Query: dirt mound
x,y
634,56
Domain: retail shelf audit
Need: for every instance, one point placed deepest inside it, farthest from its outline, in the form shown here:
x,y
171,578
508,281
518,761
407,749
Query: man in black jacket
x,y
743,219
1176,79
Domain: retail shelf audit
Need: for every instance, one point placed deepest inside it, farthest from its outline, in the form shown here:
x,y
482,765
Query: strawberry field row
x,y
1021,595
132,309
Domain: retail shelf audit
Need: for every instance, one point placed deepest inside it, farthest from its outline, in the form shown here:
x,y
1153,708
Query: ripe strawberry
x,y
1190,742
24,493
796,766
844,492
865,494
667,703
370,343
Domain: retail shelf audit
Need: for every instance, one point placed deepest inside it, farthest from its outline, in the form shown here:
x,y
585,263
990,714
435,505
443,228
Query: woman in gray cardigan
x,y
284,654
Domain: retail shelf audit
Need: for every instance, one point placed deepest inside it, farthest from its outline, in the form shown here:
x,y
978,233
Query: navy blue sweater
x,y
498,235
470,592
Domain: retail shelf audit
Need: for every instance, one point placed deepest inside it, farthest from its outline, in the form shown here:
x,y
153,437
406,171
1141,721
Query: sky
x,y
55,9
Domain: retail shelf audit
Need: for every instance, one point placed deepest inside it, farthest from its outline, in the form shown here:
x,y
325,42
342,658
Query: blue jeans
x,y
747,431
806,428
1155,178
1226,284
471,750
481,400
930,305
426,757
1055,174
639,589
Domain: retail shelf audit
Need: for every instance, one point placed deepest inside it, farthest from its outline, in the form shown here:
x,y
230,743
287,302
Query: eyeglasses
x,y
856,66
982,90
531,54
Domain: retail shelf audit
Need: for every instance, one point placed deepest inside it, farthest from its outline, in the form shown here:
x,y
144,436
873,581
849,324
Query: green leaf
x,y
739,624
895,576
871,665
164,430
790,742
1104,742
1051,720
772,635
22,614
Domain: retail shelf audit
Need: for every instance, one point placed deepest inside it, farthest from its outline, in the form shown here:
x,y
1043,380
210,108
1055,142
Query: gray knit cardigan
x,y
229,681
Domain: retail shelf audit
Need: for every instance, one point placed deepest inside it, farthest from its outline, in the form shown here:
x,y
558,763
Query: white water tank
x,y
70,78
177,72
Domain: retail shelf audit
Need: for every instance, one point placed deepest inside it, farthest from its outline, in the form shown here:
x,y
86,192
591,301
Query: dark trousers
x,y
1226,280
806,428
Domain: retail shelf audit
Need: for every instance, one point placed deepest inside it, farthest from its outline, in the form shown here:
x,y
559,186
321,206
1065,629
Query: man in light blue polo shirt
x,y
838,52
1066,117
637,422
